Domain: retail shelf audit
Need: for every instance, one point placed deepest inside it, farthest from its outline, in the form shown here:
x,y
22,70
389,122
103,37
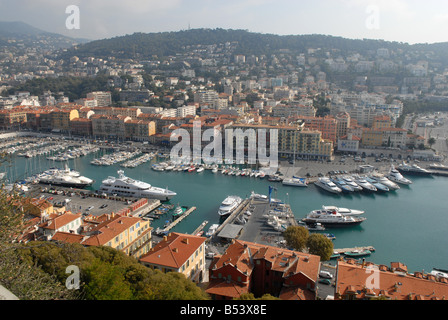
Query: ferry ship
x,y
128,187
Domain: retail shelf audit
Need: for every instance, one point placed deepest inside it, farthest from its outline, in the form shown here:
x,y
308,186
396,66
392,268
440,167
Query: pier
x,y
200,228
175,222
344,250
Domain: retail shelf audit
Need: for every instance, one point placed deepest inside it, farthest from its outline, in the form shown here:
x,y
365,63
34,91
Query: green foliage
x,y
250,296
320,245
108,274
163,44
296,237
73,87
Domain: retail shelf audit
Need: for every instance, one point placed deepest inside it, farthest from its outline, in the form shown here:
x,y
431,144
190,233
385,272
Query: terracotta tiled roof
x,y
109,229
67,237
352,278
174,250
59,221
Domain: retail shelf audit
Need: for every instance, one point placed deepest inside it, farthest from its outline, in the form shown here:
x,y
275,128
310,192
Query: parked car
x,y
325,274
325,281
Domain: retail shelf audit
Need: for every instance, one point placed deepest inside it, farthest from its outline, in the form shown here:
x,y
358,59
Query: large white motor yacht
x,y
125,186
395,176
295,182
229,205
64,177
343,211
328,185
332,219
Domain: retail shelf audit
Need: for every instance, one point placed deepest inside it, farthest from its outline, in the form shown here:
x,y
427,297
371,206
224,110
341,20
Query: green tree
x,y
320,245
23,279
103,281
296,237
431,141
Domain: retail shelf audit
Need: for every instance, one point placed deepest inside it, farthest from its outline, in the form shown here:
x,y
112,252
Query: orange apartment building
x,y
178,252
248,267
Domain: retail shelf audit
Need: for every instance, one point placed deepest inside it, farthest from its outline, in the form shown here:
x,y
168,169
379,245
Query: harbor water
x,y
408,225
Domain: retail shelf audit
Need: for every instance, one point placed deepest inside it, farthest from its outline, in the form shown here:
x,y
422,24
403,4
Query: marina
x,y
392,218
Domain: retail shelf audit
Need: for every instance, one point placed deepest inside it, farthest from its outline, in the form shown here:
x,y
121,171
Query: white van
x,y
325,274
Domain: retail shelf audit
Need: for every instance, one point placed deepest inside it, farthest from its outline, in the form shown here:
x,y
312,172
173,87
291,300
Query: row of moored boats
x,y
367,183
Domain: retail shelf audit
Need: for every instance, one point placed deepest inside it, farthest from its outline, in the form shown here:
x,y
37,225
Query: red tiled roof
x,y
174,250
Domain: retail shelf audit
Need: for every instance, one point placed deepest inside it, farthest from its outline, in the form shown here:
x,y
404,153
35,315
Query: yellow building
x,y
297,140
178,252
128,234
382,122
60,119
372,137
139,129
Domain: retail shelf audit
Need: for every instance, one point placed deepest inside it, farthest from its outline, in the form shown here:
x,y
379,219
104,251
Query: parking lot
x,y
79,201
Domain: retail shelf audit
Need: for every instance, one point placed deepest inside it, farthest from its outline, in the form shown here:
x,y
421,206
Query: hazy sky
x,y
412,21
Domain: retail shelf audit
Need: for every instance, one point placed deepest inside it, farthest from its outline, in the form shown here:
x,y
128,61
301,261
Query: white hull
x,y
229,205
295,182
327,185
124,186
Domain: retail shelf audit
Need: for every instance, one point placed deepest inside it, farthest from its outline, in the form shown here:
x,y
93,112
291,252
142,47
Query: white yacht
x,y
413,169
351,182
229,205
212,230
125,186
295,182
326,184
384,180
395,176
365,185
259,197
343,211
332,219
64,177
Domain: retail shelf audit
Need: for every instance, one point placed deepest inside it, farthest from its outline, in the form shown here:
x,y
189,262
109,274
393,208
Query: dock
x,y
200,228
175,222
344,250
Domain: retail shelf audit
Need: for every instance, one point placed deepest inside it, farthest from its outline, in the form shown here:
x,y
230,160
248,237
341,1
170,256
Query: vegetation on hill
x,y
162,44
39,270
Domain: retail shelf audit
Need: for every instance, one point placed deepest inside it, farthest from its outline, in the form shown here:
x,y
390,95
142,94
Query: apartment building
x,y
297,140
343,123
12,119
139,130
112,111
62,222
248,267
103,98
60,119
382,122
389,137
178,252
327,125
81,127
282,110
131,235
109,127
206,97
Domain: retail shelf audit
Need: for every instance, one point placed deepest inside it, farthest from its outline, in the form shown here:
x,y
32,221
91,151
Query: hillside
x,y
16,32
145,45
